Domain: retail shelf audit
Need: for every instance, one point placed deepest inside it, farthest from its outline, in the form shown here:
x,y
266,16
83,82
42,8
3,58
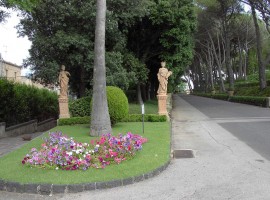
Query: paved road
x,y
250,124
224,166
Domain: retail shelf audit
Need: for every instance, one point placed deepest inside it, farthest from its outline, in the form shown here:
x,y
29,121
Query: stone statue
x,y
63,81
163,75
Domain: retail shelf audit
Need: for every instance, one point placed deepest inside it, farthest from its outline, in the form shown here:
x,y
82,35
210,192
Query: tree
x,y
262,76
100,119
62,32
165,33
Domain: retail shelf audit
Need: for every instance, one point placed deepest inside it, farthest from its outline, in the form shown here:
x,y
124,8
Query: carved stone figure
x,y
163,75
63,81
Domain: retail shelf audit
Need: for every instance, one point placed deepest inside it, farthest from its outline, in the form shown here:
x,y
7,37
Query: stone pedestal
x,y
162,104
63,107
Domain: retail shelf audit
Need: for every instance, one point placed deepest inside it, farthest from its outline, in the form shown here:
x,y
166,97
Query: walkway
x,y
224,166
11,143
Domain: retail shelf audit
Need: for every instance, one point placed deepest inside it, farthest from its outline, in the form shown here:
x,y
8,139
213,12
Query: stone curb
x,y
50,189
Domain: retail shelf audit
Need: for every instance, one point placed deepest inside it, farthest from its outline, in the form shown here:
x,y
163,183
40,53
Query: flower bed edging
x,y
50,189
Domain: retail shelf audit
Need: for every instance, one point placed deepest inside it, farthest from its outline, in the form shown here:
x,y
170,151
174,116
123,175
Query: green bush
x,y
80,107
74,120
21,103
220,96
129,118
117,103
147,118
257,101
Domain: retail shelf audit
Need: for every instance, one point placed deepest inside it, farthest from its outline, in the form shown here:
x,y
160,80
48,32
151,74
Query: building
x,y
10,71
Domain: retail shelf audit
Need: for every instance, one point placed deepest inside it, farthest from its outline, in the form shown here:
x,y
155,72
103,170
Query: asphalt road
x,y
250,124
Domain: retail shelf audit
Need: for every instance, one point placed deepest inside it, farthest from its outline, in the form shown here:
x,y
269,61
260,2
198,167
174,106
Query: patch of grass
x,y
155,153
150,107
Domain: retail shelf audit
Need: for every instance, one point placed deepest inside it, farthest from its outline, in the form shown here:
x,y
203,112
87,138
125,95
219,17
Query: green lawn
x,y
150,107
155,153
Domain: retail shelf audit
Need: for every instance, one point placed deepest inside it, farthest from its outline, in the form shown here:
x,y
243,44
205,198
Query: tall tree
x,y
100,119
262,76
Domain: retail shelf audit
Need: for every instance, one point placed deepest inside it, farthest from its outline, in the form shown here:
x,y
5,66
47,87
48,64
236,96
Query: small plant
x,y
62,152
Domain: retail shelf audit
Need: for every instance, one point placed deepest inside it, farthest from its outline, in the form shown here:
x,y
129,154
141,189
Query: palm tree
x,y
100,118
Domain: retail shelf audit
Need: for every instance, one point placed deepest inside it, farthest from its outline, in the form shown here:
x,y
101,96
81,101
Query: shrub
x,y
21,103
80,107
220,96
129,118
257,101
117,103
147,118
74,120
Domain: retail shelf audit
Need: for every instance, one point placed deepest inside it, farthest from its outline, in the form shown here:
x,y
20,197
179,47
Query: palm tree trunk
x,y
100,119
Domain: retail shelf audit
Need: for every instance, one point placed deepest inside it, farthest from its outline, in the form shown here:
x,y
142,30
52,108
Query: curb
x,y
50,189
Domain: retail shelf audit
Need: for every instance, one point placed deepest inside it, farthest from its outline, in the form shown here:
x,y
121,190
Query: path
x,y
224,166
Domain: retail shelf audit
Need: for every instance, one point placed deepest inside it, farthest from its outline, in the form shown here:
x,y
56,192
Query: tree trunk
x,y
262,76
139,94
82,82
143,92
228,60
100,119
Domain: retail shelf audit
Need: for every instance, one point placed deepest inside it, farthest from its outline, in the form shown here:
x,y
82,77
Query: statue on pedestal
x,y
63,81
163,75
63,97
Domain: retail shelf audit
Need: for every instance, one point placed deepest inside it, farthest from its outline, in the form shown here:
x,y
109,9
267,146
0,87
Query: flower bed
x,y
62,152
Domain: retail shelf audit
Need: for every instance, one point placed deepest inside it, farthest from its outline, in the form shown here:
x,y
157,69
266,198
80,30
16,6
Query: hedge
x,y
74,120
21,103
257,101
214,96
251,100
130,118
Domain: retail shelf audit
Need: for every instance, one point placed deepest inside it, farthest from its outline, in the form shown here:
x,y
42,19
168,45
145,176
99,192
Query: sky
x,y
13,48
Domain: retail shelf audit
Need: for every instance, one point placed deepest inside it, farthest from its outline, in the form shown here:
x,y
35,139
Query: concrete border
x,y
50,189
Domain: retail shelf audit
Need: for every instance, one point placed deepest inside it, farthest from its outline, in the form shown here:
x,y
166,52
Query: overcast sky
x,y
13,48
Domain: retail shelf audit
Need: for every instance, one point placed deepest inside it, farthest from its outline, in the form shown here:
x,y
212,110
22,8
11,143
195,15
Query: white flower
x,y
97,145
69,153
56,168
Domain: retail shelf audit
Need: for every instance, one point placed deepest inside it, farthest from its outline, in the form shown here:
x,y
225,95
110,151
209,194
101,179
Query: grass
x,y
149,106
155,153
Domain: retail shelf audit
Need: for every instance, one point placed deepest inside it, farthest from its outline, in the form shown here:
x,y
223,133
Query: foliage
x,y
62,152
131,95
65,35
80,107
27,102
117,103
147,118
73,121
177,38
251,100
23,4
129,118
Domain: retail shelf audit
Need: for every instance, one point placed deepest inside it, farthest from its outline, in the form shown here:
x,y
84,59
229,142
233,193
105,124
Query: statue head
x,y
163,63
63,67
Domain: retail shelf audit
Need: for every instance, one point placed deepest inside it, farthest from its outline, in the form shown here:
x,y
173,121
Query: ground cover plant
x,y
155,153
